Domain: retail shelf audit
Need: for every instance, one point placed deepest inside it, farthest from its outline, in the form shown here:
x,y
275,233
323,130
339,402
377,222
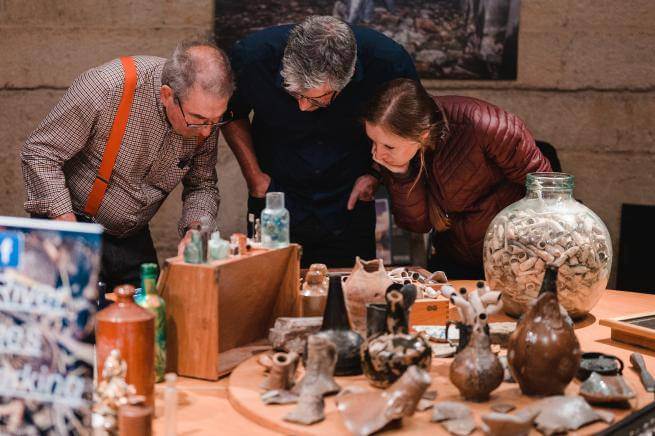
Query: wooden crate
x,y
212,308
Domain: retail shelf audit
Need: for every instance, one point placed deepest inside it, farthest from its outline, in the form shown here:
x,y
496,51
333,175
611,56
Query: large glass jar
x,y
275,221
548,226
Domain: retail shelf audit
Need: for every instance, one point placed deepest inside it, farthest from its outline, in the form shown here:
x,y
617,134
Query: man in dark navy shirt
x,y
305,85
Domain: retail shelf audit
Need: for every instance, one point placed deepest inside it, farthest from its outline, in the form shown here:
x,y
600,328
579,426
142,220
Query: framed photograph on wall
x,y
448,39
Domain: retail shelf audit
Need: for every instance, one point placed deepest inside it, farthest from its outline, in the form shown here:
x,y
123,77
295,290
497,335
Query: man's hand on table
x,y
363,190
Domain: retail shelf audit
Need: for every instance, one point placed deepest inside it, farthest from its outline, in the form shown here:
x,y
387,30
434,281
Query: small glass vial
x,y
170,405
275,221
217,248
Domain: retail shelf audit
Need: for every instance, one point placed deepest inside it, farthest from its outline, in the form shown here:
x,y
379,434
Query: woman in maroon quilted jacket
x,y
450,164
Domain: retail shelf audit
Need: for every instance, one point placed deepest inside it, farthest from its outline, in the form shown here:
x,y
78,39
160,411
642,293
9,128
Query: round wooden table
x,y
232,405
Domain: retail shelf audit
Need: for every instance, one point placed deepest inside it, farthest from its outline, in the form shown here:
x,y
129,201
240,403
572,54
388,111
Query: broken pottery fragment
x,y
455,417
507,373
265,360
278,396
367,412
430,395
501,424
290,334
367,283
319,370
282,373
502,407
309,409
424,405
604,364
599,389
560,414
499,332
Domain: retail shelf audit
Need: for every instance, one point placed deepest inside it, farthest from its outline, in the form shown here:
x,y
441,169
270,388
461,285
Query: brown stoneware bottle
x,y
128,327
476,371
543,352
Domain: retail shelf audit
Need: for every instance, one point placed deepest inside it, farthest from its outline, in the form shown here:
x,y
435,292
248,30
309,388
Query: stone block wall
x,y
586,84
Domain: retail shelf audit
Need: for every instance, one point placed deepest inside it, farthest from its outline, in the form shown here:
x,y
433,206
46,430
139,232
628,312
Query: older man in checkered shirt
x,y
170,136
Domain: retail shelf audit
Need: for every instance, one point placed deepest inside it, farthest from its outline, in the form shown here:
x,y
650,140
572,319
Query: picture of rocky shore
x,y
448,39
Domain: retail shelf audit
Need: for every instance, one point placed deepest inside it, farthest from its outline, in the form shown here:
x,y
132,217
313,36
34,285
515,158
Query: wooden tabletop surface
x,y
204,407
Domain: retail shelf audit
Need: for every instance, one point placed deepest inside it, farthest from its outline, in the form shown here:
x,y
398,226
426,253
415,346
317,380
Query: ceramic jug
x,y
129,328
543,352
367,283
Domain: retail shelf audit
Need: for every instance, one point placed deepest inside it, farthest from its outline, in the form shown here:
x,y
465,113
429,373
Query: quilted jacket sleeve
x,y
409,201
509,144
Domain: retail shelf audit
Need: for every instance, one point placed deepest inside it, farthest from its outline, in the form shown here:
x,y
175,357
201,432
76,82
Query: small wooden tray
x,y
637,329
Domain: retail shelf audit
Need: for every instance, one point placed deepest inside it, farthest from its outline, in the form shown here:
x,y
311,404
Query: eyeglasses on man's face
x,y
319,101
227,117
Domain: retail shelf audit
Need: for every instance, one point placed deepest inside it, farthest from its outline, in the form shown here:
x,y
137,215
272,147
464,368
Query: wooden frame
x,y
623,331
212,308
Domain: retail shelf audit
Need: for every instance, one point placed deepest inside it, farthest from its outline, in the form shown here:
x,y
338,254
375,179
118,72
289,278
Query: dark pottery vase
x,y
543,352
385,357
376,320
336,329
476,371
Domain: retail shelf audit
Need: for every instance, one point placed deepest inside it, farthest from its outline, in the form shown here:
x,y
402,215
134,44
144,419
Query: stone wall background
x,y
586,84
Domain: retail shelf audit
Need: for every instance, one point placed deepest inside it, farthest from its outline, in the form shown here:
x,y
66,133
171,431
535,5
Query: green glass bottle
x,y
149,299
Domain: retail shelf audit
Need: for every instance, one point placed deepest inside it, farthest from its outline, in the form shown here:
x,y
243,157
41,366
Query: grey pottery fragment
x,y
455,417
500,424
560,414
365,413
606,389
282,372
321,360
309,409
278,396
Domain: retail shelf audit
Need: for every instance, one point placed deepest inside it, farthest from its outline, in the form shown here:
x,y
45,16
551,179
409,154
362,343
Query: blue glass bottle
x,y
275,221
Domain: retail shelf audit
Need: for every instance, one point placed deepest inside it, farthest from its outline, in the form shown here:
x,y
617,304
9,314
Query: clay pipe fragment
x,y
638,363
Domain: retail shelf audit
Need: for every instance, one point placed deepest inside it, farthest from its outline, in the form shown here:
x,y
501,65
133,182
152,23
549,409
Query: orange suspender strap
x,y
114,142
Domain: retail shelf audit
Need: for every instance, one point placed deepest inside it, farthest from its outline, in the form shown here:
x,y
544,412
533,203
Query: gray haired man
x,y
305,85
120,139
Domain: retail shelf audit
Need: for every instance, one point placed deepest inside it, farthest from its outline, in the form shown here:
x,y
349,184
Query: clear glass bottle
x,y
548,226
275,221
149,299
217,248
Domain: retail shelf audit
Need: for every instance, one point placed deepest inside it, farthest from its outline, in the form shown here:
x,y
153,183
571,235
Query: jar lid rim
x,y
550,180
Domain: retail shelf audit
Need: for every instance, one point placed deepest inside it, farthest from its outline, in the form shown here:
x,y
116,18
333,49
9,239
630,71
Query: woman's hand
x,y
397,169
